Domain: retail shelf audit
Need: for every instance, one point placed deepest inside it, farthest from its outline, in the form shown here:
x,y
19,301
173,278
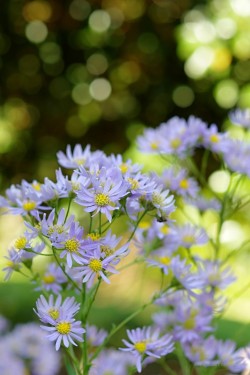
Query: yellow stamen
x,y
184,184
164,229
214,138
63,328
165,260
134,183
188,238
54,313
123,168
102,199
140,346
20,243
36,186
55,228
72,245
29,205
175,142
144,225
157,199
107,250
94,236
49,279
95,265
154,145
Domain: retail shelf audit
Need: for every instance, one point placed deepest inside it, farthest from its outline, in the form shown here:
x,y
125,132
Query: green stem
x,y
67,213
63,270
166,367
185,367
136,225
90,223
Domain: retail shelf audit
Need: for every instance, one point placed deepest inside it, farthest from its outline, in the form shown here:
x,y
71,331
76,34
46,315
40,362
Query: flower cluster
x,y
70,222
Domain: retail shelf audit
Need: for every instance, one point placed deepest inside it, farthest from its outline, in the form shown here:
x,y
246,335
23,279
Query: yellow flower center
x,y
36,186
49,279
95,265
165,260
54,313
140,346
188,238
164,229
75,186
184,184
154,145
63,328
107,250
123,167
10,264
157,199
102,199
72,245
134,183
55,228
94,236
214,138
175,142
79,161
144,225
29,205
189,323
20,243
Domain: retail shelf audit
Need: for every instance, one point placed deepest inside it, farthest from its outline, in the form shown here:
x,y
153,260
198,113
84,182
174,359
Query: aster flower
x,y
214,140
111,362
53,279
201,352
95,336
240,117
188,235
162,201
237,156
230,357
145,342
161,259
151,141
52,310
74,158
214,274
12,264
102,198
56,228
65,330
203,204
94,266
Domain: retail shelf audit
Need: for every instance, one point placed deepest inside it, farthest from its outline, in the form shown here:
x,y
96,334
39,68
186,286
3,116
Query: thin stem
x,y
100,222
185,367
166,367
136,225
67,213
65,273
90,223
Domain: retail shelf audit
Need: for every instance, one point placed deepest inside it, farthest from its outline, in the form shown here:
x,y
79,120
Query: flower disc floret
x,y
63,328
102,199
54,313
140,346
49,279
72,245
20,243
29,206
95,265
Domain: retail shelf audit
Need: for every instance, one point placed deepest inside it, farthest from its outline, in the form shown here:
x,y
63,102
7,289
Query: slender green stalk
x,y
136,225
68,209
185,366
65,273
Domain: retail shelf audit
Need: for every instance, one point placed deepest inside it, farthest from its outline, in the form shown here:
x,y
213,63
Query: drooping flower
x,y
146,342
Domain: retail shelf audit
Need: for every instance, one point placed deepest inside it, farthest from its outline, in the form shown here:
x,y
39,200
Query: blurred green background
x,y
97,72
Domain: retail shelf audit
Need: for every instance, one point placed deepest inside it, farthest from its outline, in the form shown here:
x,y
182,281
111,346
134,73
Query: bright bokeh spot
x,y
97,64
100,89
99,21
183,96
199,62
79,9
219,181
80,94
226,93
36,31
241,7
37,10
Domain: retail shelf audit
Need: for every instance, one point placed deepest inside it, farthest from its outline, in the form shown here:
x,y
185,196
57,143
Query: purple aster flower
x,y
103,198
140,184
240,117
161,259
65,330
214,140
12,264
53,279
162,201
237,156
51,311
184,185
204,204
111,362
95,336
73,159
151,141
127,168
189,235
214,274
182,272
56,228
201,352
229,356
94,266
145,342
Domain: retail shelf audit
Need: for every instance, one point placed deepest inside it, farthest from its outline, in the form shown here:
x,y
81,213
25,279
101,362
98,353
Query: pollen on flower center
x,y
140,346
49,279
102,199
94,236
29,206
157,199
63,328
95,265
164,229
36,186
214,138
55,228
184,184
72,245
107,250
165,260
189,323
20,243
175,142
123,168
134,183
54,313
154,145
188,238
